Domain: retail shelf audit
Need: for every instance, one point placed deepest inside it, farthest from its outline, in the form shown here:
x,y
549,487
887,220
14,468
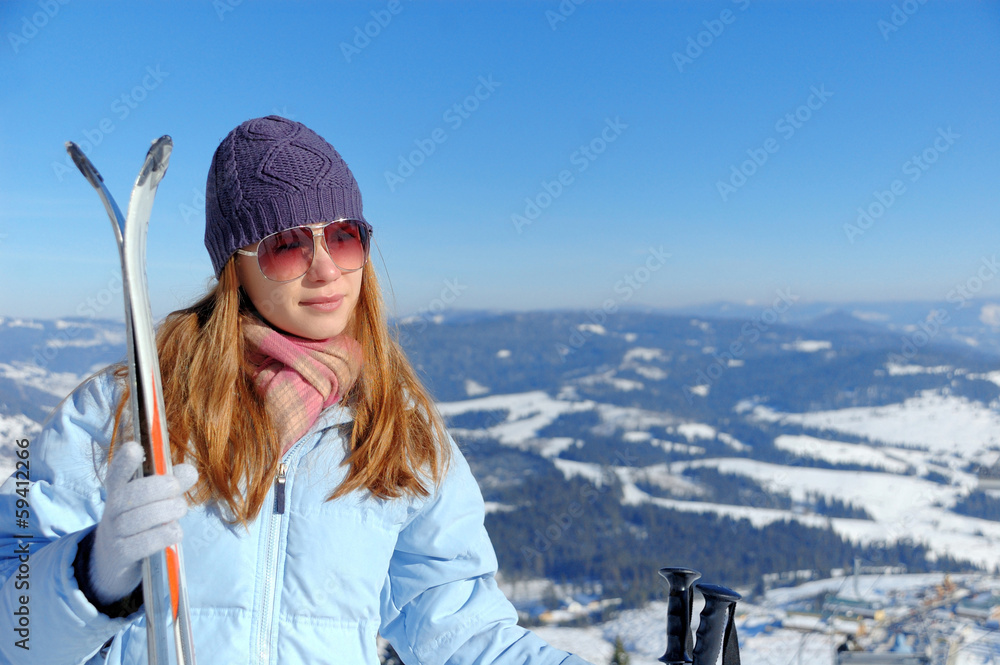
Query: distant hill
x,y
608,446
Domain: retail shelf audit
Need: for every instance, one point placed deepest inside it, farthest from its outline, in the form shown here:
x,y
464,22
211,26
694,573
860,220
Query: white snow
x,y
990,315
100,336
21,323
732,441
657,475
787,636
673,446
610,379
580,641
862,587
702,390
807,345
900,506
632,418
692,431
568,393
527,413
870,316
59,384
931,420
13,428
552,447
653,373
472,388
17,427
837,452
895,369
626,384
759,517
642,353
595,473
592,328
993,376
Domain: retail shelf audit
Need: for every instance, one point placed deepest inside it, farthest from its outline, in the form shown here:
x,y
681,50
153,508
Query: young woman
x,y
319,497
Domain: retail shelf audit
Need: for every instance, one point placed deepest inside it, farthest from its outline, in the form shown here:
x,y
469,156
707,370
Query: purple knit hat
x,y
270,174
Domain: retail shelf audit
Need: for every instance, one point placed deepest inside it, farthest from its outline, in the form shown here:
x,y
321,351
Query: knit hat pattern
x,y
270,174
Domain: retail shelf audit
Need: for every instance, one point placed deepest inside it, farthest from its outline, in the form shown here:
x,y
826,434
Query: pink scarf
x,y
299,377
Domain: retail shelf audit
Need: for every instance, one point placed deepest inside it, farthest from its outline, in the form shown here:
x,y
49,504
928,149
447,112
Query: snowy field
x,y
938,423
771,634
59,384
935,433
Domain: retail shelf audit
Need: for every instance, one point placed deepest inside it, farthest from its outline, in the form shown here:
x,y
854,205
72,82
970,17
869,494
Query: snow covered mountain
x,y
610,445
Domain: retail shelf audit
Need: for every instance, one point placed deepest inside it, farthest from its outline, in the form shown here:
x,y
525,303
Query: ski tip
x,y
82,163
162,145
157,160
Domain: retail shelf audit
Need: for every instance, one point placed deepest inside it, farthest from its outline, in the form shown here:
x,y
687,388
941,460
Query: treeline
x,y
979,504
578,533
737,490
547,351
834,507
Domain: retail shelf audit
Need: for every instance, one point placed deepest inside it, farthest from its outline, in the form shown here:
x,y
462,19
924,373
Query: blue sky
x,y
673,102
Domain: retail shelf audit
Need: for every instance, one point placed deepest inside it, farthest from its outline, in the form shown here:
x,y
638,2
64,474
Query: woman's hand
x,y
140,518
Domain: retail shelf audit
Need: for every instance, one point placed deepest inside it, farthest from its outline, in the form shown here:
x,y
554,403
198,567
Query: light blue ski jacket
x,y
312,584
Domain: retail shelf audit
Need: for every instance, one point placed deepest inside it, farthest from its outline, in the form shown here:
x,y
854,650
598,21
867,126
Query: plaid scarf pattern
x,y
298,377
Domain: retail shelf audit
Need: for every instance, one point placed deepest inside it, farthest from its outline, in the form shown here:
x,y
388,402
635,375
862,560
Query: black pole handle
x,y
714,622
679,608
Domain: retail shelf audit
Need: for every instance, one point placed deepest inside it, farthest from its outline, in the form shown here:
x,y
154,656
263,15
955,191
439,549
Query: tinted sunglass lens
x,y
346,242
286,255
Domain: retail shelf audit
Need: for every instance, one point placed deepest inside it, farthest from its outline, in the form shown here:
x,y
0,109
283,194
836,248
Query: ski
x,y
164,588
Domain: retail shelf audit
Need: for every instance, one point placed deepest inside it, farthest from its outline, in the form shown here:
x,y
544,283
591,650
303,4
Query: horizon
x,y
831,306
716,151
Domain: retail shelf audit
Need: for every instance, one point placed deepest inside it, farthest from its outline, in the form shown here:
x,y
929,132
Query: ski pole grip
x,y
719,602
679,607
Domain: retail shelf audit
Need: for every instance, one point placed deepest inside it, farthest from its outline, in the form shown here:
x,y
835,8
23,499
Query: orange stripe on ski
x,y
173,575
160,467
156,433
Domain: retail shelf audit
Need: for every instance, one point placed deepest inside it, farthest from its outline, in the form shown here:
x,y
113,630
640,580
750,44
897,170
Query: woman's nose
x,y
323,268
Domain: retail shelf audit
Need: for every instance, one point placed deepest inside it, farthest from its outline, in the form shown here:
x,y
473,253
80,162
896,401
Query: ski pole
x,y
679,608
715,623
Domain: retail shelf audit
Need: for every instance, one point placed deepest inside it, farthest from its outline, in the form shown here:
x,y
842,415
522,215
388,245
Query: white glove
x,y
140,518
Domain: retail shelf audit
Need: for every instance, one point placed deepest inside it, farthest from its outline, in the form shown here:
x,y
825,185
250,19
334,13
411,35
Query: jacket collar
x,y
338,414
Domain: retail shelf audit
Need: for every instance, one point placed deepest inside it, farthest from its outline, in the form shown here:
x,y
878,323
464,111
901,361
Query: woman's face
x,y
318,305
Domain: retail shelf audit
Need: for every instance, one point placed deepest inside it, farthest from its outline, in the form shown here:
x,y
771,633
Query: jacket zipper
x,y
279,489
271,561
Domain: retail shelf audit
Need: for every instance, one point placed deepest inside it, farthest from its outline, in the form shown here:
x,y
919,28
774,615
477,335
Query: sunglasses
x,y
288,254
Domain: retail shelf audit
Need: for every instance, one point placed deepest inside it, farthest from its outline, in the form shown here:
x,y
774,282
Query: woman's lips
x,y
327,304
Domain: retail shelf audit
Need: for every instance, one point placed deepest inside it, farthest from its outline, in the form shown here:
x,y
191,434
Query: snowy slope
x,y
773,632
931,420
941,432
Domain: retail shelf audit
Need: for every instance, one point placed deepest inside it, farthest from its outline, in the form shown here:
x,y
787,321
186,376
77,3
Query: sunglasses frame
x,y
317,232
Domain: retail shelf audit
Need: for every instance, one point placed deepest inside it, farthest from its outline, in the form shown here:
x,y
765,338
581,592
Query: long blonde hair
x,y
217,420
